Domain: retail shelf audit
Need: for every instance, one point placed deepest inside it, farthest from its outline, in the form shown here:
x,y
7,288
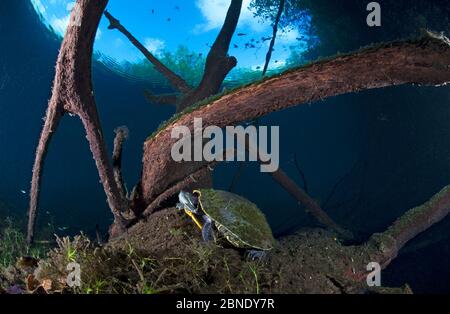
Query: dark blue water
x,y
391,145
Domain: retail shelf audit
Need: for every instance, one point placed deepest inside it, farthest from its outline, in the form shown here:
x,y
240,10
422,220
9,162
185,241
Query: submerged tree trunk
x,y
422,61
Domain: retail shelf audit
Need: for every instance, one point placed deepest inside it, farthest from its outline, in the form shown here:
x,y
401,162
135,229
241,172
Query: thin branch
x,y
304,199
173,78
310,205
301,173
54,114
164,99
336,186
274,35
121,135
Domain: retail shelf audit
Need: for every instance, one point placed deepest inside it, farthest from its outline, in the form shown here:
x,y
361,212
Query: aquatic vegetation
x,y
71,253
254,271
13,245
185,63
94,266
111,270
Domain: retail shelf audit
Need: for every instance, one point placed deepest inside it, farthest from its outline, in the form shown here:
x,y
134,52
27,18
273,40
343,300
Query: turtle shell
x,y
238,219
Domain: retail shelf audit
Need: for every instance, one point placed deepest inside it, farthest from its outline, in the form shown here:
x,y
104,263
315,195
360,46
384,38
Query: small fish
x,y
258,67
153,11
23,191
235,46
63,228
177,7
266,38
241,34
169,19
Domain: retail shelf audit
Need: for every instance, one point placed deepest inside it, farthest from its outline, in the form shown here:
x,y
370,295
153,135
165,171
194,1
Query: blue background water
x,y
394,139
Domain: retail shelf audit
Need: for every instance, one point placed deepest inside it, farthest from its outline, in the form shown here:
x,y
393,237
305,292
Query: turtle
x,y
234,217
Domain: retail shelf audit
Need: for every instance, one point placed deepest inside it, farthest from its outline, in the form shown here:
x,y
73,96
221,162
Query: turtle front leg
x,y
256,255
207,229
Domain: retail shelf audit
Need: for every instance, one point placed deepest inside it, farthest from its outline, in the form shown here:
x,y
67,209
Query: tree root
x,y
73,93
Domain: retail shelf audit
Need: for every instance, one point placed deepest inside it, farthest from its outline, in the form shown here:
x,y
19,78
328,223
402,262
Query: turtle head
x,y
187,202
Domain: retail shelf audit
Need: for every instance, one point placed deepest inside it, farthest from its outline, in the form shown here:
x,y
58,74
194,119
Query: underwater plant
x,y
12,244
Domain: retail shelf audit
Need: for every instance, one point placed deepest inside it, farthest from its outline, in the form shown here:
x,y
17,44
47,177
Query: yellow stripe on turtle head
x,y
199,196
190,214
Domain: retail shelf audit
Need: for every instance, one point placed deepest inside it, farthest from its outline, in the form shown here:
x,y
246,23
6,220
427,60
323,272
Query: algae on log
x,y
384,247
423,61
